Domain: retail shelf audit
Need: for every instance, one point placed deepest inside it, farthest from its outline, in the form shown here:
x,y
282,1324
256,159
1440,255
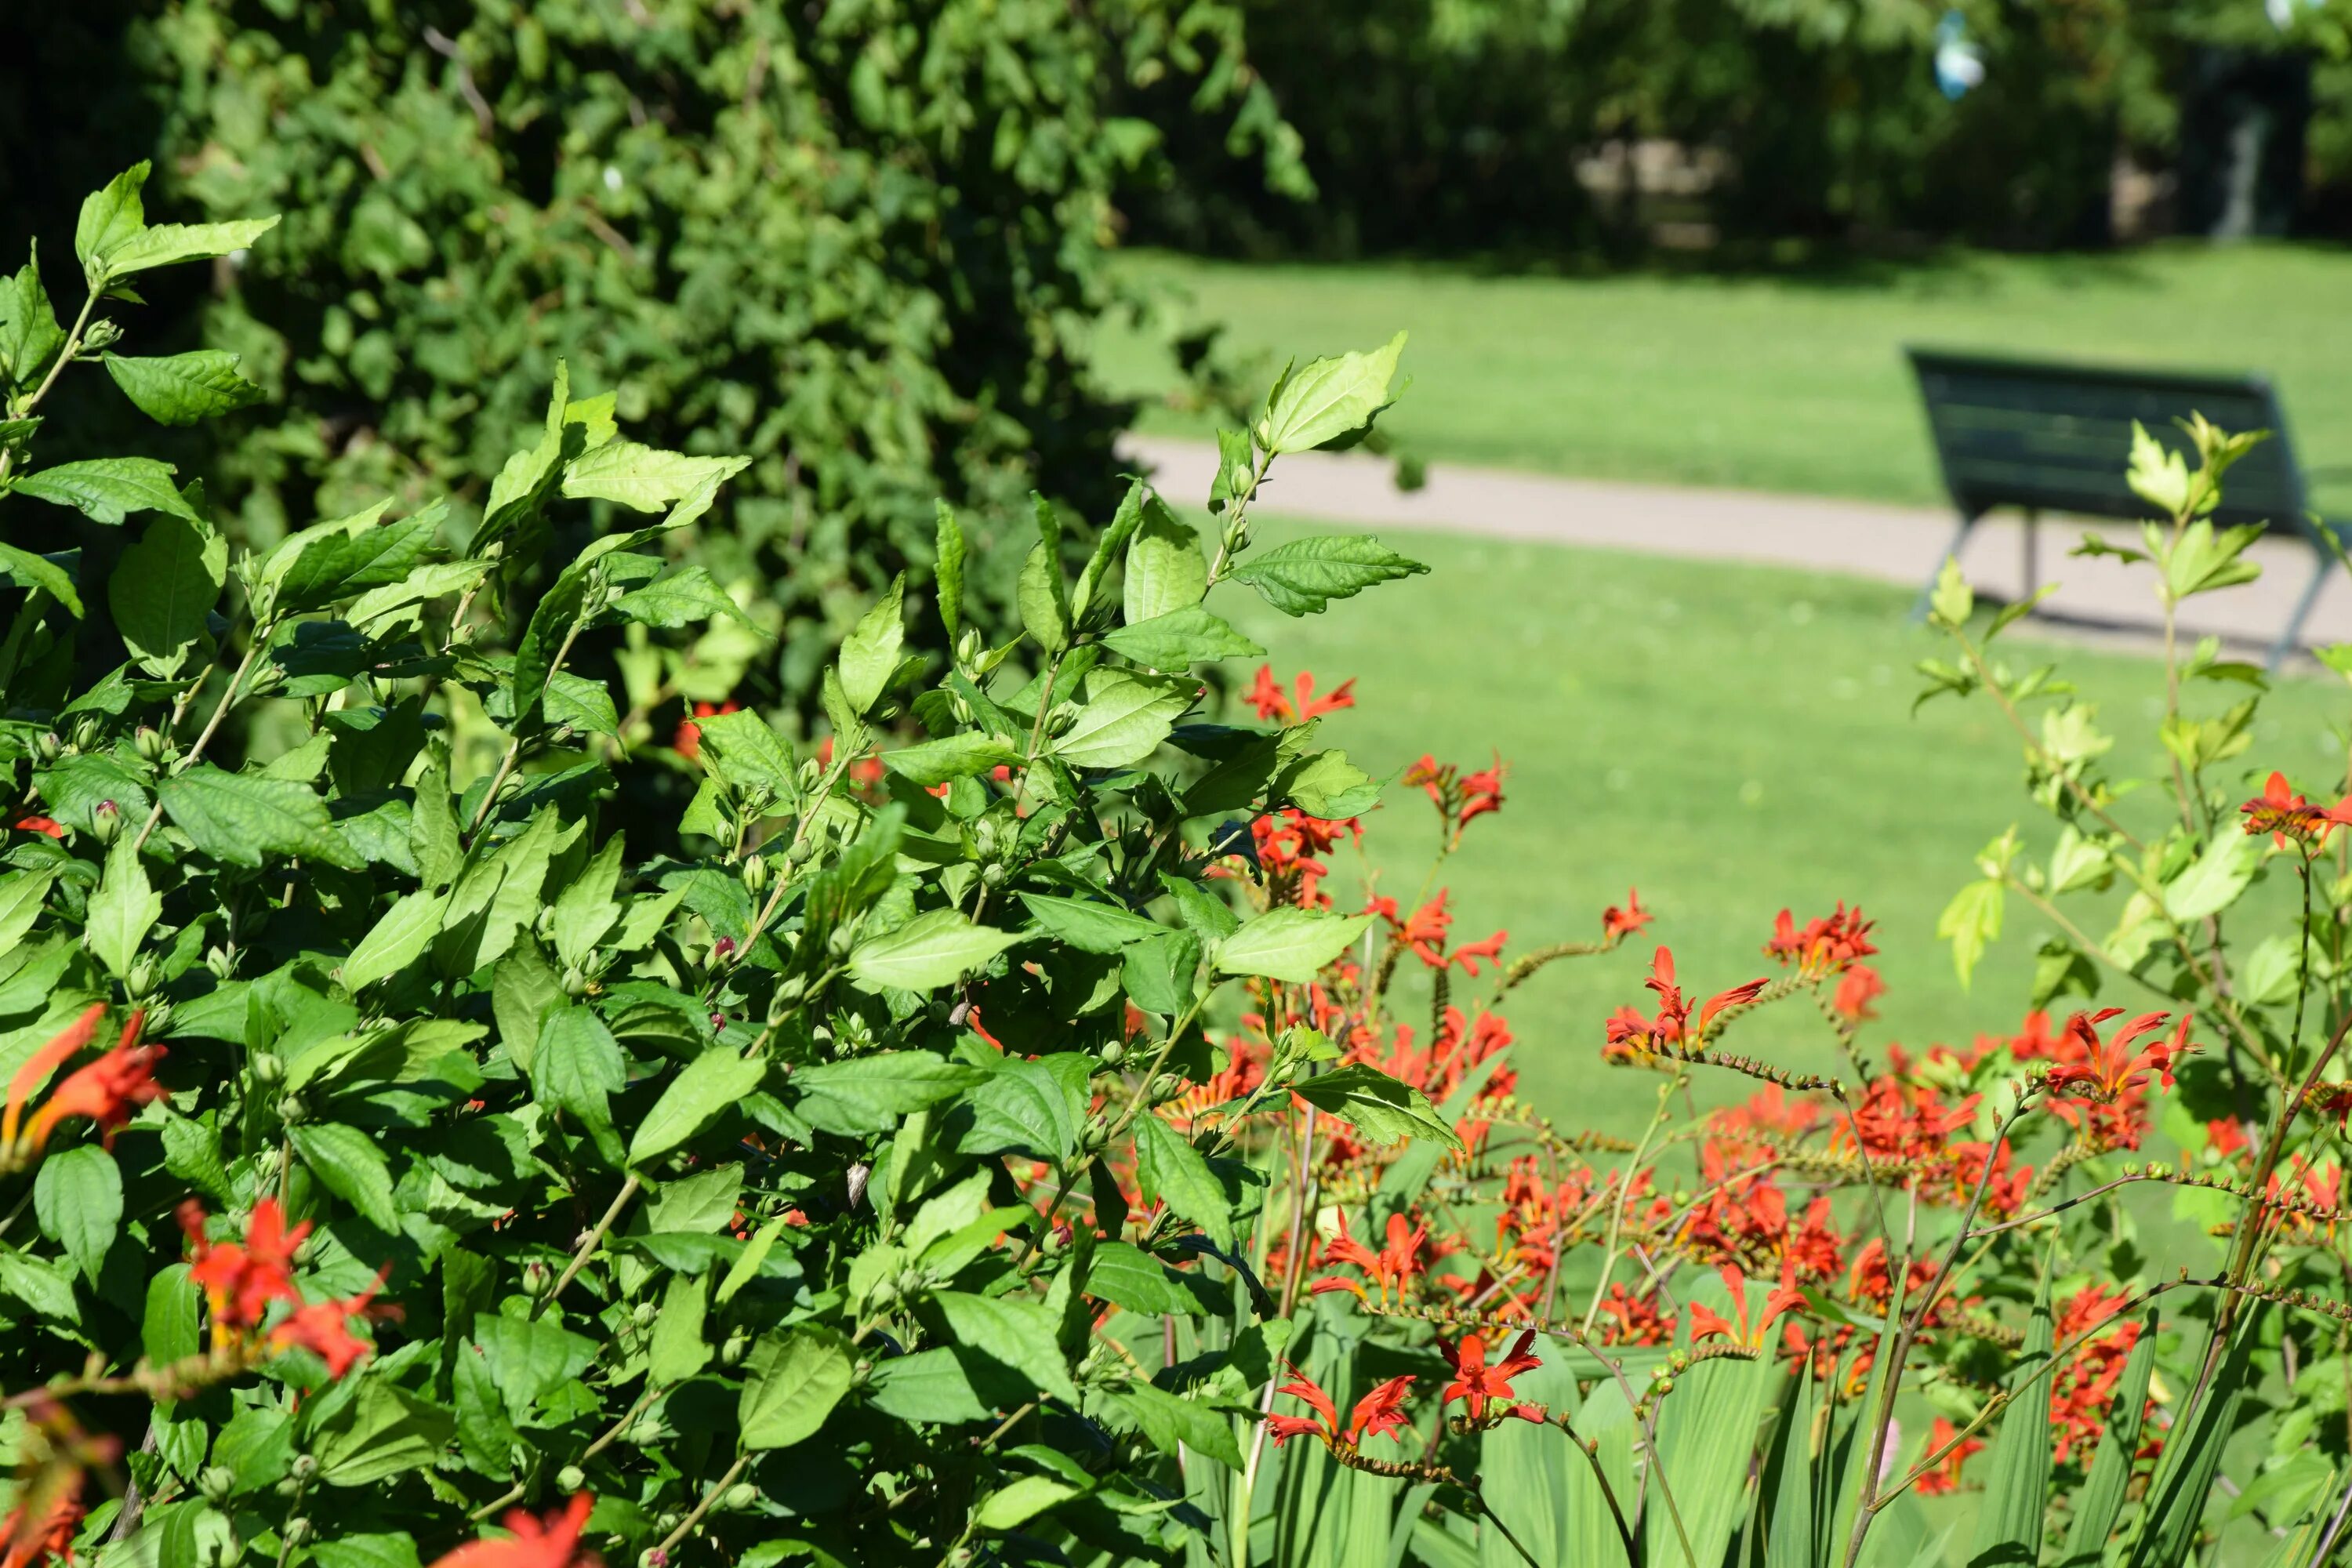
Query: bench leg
x,y
2032,553
2291,638
1927,592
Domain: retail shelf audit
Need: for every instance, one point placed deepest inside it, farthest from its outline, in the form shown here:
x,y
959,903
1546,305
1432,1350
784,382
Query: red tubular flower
x,y
41,825
1300,704
2107,1072
532,1543
1856,990
1392,1267
1946,1476
1829,945
39,1064
106,1091
242,1281
2284,815
1475,1382
1380,1411
1706,1324
1617,923
687,742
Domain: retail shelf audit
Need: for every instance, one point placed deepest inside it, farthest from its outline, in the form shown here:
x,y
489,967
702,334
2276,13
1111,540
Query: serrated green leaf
x,y
1171,1171
1971,923
1384,1108
577,1067
108,490
1089,925
868,1094
930,951
160,245
1290,944
1044,599
182,389
869,655
960,756
2211,882
1330,399
351,1166
28,569
1018,1502
397,939
711,1083
77,1201
22,894
110,218
1017,1333
123,910
1179,639
1125,717
1165,570
243,819
643,477
1303,576
792,1381
164,588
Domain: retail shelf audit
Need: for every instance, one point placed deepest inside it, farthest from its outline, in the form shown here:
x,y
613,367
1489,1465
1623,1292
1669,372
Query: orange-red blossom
x,y
1390,1268
1381,1410
1630,1032
1706,1322
2284,815
531,1542
243,1280
2106,1070
1476,1385
107,1091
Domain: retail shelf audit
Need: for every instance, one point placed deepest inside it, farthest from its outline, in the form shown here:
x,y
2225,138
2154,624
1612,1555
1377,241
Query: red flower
x,y
1705,1322
1856,990
2284,815
1616,923
689,741
1475,1382
323,1328
1426,931
1946,1476
1391,1268
1300,704
1380,1411
41,825
554,1543
1459,799
1630,1034
2225,1137
241,1282
2105,1072
106,1090
1827,945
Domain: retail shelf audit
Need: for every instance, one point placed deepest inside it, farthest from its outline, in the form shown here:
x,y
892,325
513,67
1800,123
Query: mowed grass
x,y
1727,739
1774,382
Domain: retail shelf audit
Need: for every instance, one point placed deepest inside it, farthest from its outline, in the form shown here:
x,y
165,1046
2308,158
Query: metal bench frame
x,y
2035,438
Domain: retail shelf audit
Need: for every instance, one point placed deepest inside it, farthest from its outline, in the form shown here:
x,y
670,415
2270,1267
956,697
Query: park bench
x,y
2043,436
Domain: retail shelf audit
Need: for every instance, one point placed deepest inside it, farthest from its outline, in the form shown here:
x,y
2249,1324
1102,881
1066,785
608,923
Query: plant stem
x,y
709,1498
220,712
1625,1198
588,1244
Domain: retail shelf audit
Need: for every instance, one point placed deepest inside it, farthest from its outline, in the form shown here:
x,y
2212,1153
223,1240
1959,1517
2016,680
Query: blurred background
x,y
905,249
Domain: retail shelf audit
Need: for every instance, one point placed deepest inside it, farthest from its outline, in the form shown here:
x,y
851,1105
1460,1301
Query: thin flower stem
x,y
220,712
710,1500
1624,1199
588,1244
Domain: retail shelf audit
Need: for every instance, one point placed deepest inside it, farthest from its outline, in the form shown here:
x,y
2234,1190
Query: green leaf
x,y
868,1094
168,1330
1953,601
28,569
182,389
2157,474
869,655
165,243
1171,1170
586,908
125,908
29,334
1035,1107
744,750
384,1432
1044,599
111,218
1165,572
1330,399
1287,942
39,1285
108,490
1125,717
1327,785
1089,925
351,1166
1128,1276
528,1361
685,598
1016,1332
2204,559
1380,1107
396,939
711,1083
77,1201
676,1349
2176,1498
951,552
577,1067
1302,577
1707,1433
2100,1502
1180,638
932,950
930,1387
792,1382
2017,1471
960,756
1015,1504
22,894
642,477
2211,882
243,819
163,588
1971,923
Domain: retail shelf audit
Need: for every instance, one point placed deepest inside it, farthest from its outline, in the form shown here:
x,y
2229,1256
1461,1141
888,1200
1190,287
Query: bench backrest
x,y
2057,436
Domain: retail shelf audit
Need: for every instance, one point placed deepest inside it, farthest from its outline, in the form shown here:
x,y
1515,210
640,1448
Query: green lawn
x,y
1729,739
1785,384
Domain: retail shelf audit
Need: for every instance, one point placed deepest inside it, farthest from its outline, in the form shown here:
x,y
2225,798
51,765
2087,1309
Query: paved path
x,y
2101,600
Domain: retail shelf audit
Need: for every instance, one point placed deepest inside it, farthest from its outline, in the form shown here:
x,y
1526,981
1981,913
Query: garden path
x,y
2100,600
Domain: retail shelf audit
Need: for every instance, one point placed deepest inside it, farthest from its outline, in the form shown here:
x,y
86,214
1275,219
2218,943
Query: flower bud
x,y
1166,1087
536,1278
570,1479
158,1019
267,1067
994,873
87,733
645,1311
1096,1134
106,822
737,1346
298,1530
1113,1054
151,743
644,1434
220,960
575,982
841,940
304,1468
755,874
739,1497
217,1482
293,1110
49,746
800,853
141,981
